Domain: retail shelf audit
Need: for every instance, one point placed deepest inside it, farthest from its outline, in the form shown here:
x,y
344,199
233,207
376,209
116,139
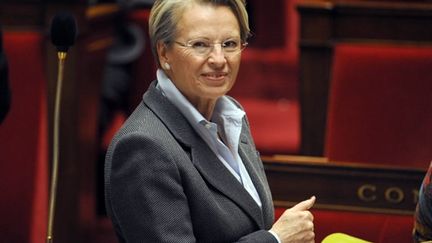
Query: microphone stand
x,y
53,187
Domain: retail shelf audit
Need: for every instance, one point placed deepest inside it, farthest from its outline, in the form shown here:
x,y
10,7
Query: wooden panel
x,y
343,186
268,29
21,15
325,23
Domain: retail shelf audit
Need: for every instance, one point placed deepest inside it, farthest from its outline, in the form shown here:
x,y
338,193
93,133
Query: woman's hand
x,y
296,223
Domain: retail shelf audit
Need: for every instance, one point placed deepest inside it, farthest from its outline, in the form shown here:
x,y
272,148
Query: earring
x,y
167,66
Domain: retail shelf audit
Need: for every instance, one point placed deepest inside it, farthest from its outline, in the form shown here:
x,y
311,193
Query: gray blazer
x,y
164,184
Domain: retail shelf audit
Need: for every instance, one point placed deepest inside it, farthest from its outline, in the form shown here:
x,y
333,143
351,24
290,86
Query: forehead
x,y
207,20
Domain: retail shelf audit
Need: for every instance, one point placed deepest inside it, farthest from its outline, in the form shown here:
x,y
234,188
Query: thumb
x,y
304,205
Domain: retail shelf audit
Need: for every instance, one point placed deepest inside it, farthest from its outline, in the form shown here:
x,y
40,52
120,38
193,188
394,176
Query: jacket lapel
x,y
206,162
251,161
218,176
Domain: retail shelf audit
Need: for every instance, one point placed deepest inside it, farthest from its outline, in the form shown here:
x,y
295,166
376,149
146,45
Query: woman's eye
x,y
230,44
199,44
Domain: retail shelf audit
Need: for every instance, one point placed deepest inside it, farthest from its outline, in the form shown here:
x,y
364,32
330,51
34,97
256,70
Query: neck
x,y
205,107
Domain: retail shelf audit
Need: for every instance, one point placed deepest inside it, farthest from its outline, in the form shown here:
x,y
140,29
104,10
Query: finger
x,y
304,205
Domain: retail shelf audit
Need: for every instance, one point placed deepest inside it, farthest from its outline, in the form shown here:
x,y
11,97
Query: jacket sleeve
x,y
146,199
261,236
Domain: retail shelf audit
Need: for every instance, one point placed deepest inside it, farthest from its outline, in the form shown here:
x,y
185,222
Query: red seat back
x,y
23,142
380,105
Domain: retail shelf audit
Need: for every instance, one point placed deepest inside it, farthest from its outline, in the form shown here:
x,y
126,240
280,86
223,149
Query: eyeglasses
x,y
203,47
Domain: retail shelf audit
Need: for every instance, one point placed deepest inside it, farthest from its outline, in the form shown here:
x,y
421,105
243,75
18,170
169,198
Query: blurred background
x,y
338,94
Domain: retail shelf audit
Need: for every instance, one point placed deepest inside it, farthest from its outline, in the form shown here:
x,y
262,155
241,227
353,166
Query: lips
x,y
215,76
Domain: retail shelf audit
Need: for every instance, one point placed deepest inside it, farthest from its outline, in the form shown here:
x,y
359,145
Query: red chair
x,y
275,124
380,106
24,142
379,113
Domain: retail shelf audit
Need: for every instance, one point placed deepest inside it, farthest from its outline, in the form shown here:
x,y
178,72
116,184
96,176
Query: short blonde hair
x,y
165,14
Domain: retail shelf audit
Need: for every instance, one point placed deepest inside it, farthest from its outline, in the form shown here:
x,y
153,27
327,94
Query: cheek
x,y
235,61
235,65
189,62
181,58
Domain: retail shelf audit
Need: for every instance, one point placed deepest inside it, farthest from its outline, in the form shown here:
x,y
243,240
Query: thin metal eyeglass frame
x,y
189,45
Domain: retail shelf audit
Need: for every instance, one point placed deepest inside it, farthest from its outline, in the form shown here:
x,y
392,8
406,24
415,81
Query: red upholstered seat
x,y
275,124
380,113
23,142
380,105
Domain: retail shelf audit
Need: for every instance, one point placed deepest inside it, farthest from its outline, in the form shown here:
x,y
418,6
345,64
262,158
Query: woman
x,y
184,168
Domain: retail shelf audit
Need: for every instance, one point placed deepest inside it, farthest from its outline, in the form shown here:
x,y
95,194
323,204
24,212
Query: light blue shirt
x,y
226,118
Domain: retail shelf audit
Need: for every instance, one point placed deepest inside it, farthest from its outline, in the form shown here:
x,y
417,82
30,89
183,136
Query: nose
x,y
217,56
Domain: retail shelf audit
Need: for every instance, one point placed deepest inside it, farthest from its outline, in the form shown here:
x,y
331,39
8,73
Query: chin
x,y
215,93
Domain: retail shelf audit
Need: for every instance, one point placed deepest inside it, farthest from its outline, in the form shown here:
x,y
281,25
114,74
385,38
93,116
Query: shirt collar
x,y
223,108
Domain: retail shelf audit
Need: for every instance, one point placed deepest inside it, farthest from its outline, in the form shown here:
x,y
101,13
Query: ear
x,y
162,52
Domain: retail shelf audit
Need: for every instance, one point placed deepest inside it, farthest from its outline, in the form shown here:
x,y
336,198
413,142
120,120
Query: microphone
x,y
63,31
63,35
